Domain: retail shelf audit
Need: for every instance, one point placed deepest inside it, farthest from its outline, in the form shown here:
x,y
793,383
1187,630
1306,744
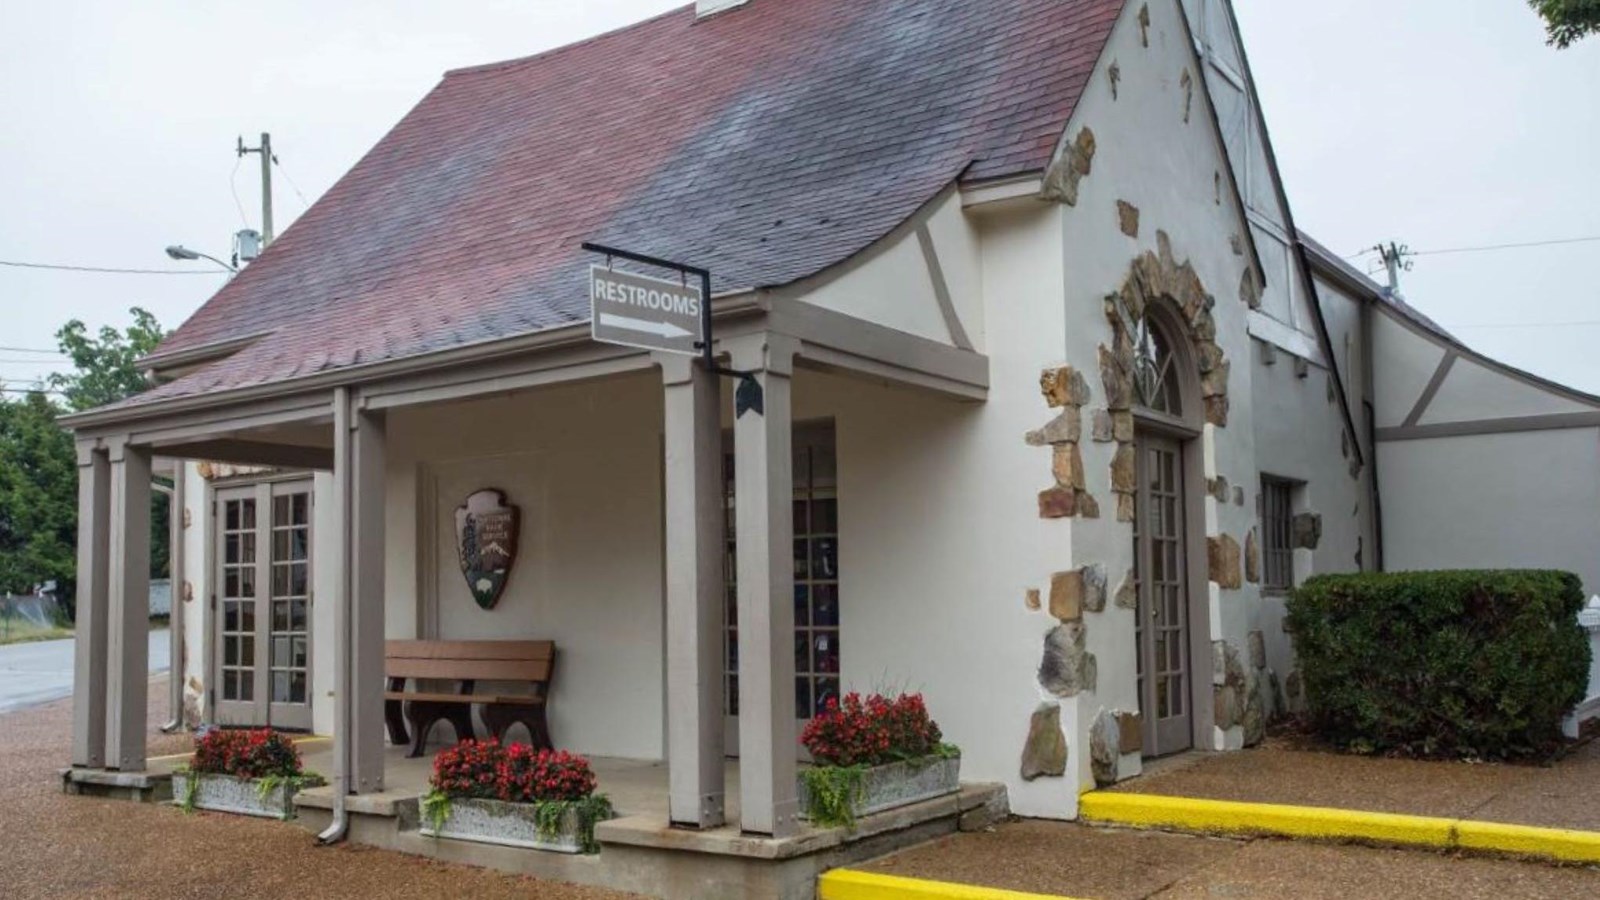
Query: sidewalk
x,y
1069,860
1563,795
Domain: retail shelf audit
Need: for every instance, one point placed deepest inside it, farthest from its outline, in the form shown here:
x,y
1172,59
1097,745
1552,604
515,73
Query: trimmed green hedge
x,y
1460,663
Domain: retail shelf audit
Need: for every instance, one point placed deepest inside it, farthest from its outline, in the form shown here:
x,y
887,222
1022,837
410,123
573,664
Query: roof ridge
x,y
553,51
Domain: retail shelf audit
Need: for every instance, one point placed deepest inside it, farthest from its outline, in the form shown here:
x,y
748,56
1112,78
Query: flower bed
x,y
872,755
252,773
514,796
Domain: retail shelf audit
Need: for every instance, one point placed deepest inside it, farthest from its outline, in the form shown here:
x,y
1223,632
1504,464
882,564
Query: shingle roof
x,y
766,143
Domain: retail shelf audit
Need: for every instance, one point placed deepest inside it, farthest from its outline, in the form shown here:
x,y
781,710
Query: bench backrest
x,y
530,661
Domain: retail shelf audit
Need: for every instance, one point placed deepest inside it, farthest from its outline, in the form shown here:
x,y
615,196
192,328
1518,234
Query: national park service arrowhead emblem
x,y
486,538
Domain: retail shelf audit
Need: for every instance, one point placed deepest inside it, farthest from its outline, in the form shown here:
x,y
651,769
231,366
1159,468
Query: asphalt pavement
x,y
41,671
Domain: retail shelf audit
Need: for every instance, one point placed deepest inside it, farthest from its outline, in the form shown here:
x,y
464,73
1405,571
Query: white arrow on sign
x,y
663,329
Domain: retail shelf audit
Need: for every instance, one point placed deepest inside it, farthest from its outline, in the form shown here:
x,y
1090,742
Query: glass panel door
x,y
1162,629
289,637
817,637
262,598
237,590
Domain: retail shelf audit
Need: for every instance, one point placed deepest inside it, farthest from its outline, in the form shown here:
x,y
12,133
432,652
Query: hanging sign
x,y
486,538
640,311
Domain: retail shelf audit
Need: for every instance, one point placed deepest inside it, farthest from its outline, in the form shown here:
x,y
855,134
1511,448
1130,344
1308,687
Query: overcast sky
x,y
1439,123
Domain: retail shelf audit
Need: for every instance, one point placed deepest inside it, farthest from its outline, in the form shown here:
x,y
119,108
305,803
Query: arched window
x,y
1154,377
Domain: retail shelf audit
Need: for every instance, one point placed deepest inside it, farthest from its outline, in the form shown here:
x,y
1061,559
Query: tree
x,y
105,365
38,496
38,464
1568,21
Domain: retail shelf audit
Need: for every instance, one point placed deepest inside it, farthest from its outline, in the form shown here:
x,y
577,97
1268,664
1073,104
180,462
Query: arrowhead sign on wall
x,y
486,538
640,311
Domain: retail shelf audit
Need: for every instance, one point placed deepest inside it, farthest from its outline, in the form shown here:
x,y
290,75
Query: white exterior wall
x,y
583,463
1508,499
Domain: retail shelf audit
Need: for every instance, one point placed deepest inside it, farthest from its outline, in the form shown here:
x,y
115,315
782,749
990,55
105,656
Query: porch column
x,y
128,607
695,591
764,491
89,659
359,465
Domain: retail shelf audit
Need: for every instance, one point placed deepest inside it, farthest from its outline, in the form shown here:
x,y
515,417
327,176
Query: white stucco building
x,y
1063,401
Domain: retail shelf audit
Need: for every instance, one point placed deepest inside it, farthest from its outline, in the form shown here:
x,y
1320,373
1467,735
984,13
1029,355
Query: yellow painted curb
x,y
846,884
1556,843
1234,817
1230,817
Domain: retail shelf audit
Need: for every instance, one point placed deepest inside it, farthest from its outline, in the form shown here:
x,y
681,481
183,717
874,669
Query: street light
x,y
180,252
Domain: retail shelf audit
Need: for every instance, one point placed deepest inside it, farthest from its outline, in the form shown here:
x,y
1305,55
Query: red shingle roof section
x,y
766,143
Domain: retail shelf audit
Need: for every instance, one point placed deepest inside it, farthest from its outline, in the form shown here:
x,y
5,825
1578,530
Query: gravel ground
x,y
52,845
1079,861
1563,795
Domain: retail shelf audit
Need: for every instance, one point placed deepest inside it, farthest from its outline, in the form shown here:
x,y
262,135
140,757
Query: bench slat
x,y
473,669
515,699
460,650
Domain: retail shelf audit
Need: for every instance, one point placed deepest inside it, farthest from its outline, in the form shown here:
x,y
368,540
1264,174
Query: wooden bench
x,y
466,663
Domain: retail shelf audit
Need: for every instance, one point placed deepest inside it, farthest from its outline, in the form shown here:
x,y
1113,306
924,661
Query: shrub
x,y
871,732
1460,663
259,753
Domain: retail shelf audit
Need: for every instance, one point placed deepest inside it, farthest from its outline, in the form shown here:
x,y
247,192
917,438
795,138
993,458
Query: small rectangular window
x,y
1277,528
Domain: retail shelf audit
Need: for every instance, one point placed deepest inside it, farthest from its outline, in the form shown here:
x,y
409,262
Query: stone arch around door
x,y
1165,379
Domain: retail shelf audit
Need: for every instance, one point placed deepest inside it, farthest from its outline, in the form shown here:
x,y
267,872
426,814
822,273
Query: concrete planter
x,y
507,825
900,784
226,793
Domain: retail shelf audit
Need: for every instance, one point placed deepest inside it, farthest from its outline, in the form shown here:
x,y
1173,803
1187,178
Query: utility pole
x,y
1396,259
267,160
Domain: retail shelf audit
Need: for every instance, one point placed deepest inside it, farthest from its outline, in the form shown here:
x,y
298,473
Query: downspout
x,y
343,714
175,576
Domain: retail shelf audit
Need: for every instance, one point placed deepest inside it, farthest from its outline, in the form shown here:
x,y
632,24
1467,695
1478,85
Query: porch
x,y
619,458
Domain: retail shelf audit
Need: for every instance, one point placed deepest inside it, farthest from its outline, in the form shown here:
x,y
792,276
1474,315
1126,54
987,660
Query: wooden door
x,y
1163,616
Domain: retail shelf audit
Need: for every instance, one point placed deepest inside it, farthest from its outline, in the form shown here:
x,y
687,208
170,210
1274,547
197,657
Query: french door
x,y
262,598
1160,569
816,581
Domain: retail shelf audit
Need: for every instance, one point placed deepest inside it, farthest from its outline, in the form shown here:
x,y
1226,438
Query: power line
x,y
233,188
32,350
292,186
104,270
1576,240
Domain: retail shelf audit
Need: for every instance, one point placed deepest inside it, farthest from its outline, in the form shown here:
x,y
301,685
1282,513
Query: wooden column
x,y
359,467
695,590
764,492
89,659
128,607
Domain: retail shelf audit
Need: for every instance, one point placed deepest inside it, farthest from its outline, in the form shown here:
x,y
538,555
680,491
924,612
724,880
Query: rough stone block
x,y
1257,643
1066,595
1057,503
1223,560
1094,587
1045,752
1117,381
1067,465
1122,427
1218,487
1103,749
1130,732
1128,218
1217,411
1100,430
1063,429
1031,599
1124,476
1306,531
1125,508
1252,558
1066,668
1127,596
1088,507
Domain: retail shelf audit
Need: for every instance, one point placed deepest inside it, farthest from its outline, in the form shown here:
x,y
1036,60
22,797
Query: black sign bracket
x,y
748,397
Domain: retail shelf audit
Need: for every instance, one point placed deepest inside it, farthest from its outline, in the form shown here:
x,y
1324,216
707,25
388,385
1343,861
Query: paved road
x,y
39,672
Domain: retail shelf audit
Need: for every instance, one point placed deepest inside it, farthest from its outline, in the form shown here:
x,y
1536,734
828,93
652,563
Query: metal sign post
x,y
658,314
